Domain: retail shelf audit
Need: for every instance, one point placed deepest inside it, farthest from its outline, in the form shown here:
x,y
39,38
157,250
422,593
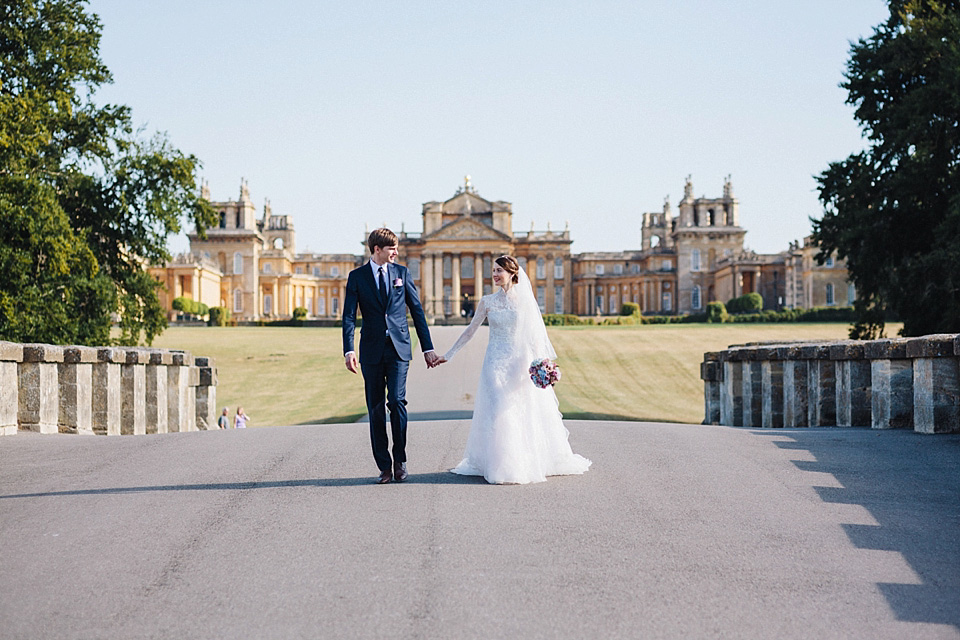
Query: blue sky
x,y
354,113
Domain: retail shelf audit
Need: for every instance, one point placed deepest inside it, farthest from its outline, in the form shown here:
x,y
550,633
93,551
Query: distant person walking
x,y
241,419
223,421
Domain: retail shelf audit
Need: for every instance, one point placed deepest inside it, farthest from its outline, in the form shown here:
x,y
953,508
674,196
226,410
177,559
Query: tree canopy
x,y
893,210
86,201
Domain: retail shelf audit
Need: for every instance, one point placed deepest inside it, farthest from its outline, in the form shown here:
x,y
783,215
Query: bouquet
x,y
544,373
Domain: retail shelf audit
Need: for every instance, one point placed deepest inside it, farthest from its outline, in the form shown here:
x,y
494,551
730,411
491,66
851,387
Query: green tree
x,y
86,202
893,210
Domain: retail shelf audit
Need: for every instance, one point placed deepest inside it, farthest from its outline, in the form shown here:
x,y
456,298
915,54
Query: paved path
x,y
679,531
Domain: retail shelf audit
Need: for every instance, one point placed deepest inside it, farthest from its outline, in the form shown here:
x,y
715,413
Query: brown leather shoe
x,y
385,477
400,471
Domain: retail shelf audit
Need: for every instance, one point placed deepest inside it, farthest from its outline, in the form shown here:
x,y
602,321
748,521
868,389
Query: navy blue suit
x,y
385,351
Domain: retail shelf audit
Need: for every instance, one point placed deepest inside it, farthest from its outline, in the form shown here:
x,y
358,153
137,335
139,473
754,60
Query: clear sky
x,y
354,113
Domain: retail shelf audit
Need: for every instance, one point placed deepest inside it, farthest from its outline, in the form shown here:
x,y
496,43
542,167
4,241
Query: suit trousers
x,y
385,384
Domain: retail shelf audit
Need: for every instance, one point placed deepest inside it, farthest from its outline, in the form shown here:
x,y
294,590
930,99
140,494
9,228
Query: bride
x,y
516,435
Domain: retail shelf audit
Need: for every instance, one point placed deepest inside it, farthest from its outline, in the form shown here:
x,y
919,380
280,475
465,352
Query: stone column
x,y
438,285
852,384
477,279
794,388
76,390
11,354
588,310
178,383
455,275
771,375
711,372
157,420
207,394
891,382
106,391
532,274
936,384
548,299
752,393
133,390
38,389
426,282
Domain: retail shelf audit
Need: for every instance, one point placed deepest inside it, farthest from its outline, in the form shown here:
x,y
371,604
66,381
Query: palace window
x,y
267,267
447,266
851,294
667,301
634,268
523,264
558,299
600,303
542,299
695,298
666,265
486,267
618,269
613,304
223,219
334,271
695,260
541,269
558,268
267,304
599,269
830,300
309,306
237,263
414,266
447,302
829,262
300,270
466,267
335,306
237,300
316,271
321,305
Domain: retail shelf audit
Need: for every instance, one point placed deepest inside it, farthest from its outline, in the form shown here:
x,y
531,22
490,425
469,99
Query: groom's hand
x,y
432,359
351,361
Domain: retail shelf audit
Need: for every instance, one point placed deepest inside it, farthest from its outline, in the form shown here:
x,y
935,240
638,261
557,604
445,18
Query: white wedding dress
x,y
516,435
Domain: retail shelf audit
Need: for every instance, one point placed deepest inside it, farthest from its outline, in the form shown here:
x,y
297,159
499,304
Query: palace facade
x,y
250,264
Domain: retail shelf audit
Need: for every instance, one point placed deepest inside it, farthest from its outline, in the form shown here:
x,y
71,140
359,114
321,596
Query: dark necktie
x,y
383,289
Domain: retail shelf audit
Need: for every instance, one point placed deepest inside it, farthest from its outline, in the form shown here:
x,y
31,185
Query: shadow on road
x,y
911,486
418,478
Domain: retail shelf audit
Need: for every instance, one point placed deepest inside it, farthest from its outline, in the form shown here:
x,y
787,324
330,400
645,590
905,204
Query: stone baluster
x,y
771,384
821,386
157,420
76,389
853,401
711,372
38,388
107,396
11,355
891,382
731,402
206,393
178,392
936,383
794,387
133,392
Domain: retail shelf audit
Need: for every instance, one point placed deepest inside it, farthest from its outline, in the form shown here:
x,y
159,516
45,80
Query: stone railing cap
x,y
36,352
161,357
79,354
136,356
11,351
110,355
932,346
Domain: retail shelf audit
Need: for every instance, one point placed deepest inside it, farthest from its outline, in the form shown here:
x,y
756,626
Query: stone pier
x,y
104,390
884,384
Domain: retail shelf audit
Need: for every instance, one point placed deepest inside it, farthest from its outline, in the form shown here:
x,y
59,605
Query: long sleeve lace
x,y
478,318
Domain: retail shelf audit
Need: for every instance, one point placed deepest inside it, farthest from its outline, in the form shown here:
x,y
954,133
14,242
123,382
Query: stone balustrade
x,y
905,383
104,390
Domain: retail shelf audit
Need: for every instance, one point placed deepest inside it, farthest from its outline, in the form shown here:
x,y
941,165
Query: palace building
x,y
250,264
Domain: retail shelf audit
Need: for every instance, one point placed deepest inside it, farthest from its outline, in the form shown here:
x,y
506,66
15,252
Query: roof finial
x,y
467,186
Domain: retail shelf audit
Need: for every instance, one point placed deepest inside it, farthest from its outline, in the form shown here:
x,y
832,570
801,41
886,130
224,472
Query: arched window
x,y
237,263
223,219
278,243
239,220
237,300
695,298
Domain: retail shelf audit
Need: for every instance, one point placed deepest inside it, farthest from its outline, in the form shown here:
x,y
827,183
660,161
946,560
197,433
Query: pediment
x,y
466,229
467,202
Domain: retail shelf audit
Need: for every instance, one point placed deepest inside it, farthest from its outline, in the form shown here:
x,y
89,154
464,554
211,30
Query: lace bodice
x,y
500,309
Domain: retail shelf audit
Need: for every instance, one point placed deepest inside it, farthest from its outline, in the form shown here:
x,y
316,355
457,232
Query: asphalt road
x,y
678,531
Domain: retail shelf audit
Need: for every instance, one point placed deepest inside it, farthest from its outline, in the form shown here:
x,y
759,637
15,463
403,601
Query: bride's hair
x,y
510,264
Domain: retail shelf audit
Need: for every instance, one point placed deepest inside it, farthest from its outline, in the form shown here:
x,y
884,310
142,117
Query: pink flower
x,y
398,283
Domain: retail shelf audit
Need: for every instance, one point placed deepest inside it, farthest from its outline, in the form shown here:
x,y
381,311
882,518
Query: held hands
x,y
433,359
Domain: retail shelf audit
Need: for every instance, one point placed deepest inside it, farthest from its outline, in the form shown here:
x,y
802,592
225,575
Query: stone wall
x,y
104,390
907,383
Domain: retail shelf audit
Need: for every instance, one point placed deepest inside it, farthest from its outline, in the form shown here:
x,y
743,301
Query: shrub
x,y
716,312
748,303
629,309
219,316
300,314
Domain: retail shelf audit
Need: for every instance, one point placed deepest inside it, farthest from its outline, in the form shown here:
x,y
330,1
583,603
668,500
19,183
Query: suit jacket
x,y
363,292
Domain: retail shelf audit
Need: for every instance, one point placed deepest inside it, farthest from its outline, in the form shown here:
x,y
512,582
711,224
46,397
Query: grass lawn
x,y
288,375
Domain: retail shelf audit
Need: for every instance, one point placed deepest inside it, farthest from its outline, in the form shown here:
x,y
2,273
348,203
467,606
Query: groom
x,y
384,291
